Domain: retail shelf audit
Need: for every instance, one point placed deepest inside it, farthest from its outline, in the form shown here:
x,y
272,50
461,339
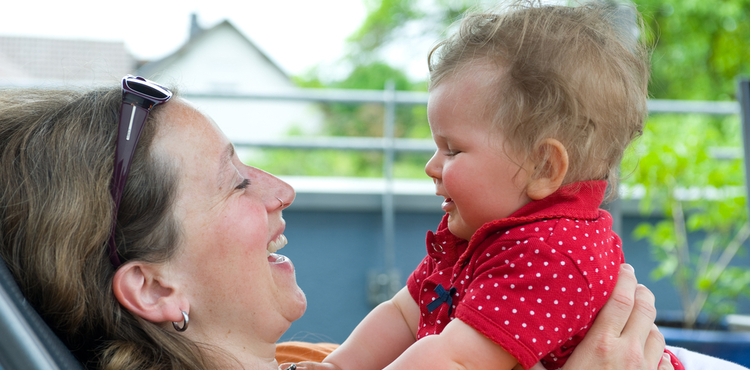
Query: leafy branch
x,y
704,204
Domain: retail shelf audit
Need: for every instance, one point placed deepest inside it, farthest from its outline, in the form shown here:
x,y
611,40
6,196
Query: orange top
x,y
289,352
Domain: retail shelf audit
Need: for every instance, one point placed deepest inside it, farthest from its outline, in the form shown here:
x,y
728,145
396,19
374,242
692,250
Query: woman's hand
x,y
623,336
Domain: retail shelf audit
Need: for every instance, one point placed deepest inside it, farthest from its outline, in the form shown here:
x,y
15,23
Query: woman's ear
x,y
140,288
553,171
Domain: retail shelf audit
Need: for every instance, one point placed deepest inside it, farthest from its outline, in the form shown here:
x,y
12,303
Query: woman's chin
x,y
293,298
297,307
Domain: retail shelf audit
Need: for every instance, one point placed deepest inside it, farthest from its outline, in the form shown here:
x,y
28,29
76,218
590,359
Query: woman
x,y
184,277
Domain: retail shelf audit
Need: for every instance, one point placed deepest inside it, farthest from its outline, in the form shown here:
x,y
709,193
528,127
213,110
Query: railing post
x,y
743,97
615,210
383,285
389,219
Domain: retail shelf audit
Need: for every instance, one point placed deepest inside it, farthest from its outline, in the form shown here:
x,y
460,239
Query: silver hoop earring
x,y
186,321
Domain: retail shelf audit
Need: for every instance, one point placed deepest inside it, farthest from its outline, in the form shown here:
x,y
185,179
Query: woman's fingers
x,y
618,308
666,363
623,336
642,317
654,348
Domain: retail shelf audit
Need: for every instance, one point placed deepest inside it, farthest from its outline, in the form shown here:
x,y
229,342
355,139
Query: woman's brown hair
x,y
56,158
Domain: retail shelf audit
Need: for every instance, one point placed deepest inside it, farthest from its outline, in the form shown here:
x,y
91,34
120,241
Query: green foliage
x,y
701,46
387,21
701,49
382,19
357,120
704,202
335,163
367,119
318,163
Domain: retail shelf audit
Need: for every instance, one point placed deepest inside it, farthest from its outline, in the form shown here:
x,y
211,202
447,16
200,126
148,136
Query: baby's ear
x,y
553,170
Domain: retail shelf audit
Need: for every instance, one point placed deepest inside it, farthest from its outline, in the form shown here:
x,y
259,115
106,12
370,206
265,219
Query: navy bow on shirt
x,y
444,296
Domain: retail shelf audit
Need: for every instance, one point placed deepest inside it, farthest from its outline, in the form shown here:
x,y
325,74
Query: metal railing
x,y
389,145
743,95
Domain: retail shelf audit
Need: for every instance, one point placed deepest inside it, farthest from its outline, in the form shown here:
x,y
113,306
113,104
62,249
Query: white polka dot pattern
x,y
532,284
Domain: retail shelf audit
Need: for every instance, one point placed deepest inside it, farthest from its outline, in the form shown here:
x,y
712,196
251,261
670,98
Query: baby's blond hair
x,y
576,74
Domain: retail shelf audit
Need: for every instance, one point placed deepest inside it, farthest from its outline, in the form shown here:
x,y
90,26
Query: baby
x,y
531,109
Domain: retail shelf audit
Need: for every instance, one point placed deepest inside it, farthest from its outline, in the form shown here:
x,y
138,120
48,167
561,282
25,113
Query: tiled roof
x,y
31,60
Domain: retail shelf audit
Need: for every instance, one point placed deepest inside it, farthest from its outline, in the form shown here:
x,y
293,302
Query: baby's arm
x,y
459,346
382,336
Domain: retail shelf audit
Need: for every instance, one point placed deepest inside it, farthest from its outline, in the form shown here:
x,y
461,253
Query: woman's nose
x,y
279,194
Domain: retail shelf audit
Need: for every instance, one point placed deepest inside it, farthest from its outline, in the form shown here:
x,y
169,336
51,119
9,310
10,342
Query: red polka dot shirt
x,y
532,282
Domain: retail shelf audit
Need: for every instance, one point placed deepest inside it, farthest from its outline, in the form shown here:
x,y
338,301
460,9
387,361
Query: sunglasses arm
x,y
133,118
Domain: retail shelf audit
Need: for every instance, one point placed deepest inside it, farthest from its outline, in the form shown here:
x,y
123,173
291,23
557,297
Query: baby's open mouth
x,y
447,204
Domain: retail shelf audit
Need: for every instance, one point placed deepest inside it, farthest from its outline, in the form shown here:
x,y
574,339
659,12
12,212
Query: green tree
x,y
701,45
704,203
698,55
388,20
701,48
357,120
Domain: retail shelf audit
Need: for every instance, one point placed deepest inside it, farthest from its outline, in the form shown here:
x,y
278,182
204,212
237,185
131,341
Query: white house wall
x,y
222,60
245,121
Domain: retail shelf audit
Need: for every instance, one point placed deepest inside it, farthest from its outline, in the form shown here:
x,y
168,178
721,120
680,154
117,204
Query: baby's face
x,y
479,181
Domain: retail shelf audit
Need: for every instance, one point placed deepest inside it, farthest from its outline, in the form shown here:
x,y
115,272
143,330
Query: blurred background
x,y
331,96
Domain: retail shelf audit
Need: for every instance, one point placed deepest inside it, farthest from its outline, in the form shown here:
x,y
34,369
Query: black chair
x,y
26,342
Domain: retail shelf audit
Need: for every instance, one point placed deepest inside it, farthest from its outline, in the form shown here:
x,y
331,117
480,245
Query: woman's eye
x,y
244,184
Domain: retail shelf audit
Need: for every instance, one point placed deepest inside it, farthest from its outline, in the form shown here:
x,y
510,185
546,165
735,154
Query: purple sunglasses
x,y
139,96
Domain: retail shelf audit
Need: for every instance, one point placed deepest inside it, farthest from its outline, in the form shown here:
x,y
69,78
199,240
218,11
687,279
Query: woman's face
x,y
230,216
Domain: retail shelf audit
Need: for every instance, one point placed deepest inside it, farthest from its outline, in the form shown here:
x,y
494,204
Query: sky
x,y
297,34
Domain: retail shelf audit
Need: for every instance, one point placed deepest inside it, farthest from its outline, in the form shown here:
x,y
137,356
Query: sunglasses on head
x,y
139,96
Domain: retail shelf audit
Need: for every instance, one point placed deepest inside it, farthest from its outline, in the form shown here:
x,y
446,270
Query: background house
x,y
221,60
218,60
34,61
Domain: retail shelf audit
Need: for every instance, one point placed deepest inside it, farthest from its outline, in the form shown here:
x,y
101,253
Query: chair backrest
x,y
26,342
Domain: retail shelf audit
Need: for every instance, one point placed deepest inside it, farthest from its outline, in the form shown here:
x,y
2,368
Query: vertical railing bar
x,y
389,219
743,97
614,207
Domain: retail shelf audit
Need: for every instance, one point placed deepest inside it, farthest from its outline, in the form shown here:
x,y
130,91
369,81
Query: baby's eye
x,y
243,185
452,153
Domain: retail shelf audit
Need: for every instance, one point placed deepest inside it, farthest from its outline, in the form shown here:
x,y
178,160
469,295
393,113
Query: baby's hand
x,y
307,365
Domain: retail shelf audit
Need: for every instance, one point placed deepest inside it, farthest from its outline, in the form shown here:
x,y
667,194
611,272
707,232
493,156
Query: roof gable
x,y
218,58
30,60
